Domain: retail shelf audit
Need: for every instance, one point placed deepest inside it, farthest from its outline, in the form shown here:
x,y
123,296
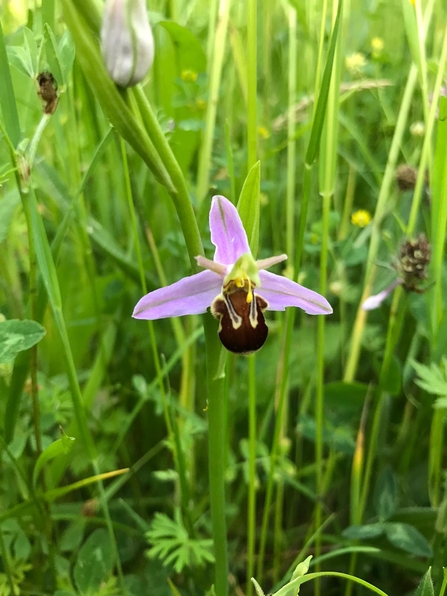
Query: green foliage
x,y
433,379
174,547
16,336
426,588
343,432
94,565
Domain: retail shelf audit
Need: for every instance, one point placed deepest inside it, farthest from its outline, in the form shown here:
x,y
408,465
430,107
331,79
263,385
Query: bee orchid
x,y
237,288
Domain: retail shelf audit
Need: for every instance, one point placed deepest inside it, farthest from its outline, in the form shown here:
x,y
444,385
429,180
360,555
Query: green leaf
x,y
7,208
61,446
24,58
248,206
16,336
320,111
426,588
302,568
52,54
7,98
431,378
94,563
363,532
66,53
391,378
407,538
385,494
190,55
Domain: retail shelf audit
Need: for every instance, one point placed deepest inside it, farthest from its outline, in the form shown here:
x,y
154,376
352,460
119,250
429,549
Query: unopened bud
x,y
126,41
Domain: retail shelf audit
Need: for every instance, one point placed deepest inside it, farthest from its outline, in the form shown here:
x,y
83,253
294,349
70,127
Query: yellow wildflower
x,y
377,45
355,62
200,104
361,218
263,132
188,75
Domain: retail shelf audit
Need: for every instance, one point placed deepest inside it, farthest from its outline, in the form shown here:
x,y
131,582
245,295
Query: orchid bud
x,y
126,41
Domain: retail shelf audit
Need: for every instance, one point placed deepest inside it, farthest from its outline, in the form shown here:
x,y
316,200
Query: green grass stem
x,y
252,480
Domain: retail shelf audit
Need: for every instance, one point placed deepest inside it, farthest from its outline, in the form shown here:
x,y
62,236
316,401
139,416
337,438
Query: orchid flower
x,y
236,287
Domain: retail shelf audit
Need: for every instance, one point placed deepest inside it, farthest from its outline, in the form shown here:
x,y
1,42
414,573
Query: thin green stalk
x,y
216,449
319,403
252,73
252,487
214,87
444,584
291,129
7,563
328,157
275,446
180,197
396,318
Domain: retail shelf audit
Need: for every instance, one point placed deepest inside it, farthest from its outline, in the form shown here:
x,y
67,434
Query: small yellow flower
x,y
263,132
200,104
355,62
188,75
377,45
361,218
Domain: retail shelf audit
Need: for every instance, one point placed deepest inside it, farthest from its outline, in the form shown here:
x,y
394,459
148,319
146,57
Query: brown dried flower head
x,y
413,263
405,177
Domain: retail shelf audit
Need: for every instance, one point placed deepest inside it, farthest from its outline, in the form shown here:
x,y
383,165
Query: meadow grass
x,y
142,458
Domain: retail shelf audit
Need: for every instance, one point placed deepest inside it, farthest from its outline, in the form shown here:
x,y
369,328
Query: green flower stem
x,y
396,318
252,487
180,197
328,158
215,74
291,130
426,148
275,444
216,450
7,563
252,74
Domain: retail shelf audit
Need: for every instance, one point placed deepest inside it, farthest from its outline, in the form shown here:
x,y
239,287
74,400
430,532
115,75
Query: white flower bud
x,y
127,43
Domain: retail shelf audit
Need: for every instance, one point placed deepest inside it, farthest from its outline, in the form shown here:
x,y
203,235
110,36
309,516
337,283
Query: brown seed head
x,y
406,177
413,263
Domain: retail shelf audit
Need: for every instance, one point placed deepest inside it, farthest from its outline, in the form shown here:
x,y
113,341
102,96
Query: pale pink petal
x,y
188,296
227,232
375,301
270,261
221,270
281,292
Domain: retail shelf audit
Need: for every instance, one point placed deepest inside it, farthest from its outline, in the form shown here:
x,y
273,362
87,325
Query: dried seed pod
x,y
413,263
405,177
